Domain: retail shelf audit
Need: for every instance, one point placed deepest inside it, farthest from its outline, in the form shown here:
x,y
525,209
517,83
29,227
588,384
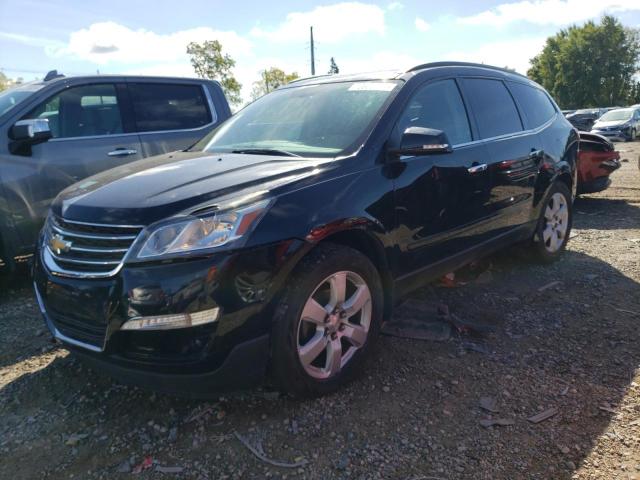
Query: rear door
x,y
440,199
89,136
515,153
170,115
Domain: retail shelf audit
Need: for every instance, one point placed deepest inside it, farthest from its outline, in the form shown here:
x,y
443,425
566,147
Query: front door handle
x,y
122,152
477,168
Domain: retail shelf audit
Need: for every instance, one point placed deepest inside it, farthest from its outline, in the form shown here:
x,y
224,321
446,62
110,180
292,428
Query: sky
x,y
149,37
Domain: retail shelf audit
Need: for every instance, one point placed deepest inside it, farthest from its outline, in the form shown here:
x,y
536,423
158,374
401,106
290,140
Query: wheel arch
x,y
366,243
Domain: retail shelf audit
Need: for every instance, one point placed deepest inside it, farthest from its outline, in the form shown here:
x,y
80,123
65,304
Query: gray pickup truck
x,y
58,131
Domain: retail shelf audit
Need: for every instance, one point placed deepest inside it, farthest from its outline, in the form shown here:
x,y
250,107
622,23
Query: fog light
x,y
168,322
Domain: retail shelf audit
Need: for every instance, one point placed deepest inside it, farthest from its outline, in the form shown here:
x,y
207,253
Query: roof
x,y
329,78
399,74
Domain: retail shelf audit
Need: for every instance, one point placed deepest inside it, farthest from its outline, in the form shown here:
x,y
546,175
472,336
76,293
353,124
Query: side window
x,y
438,105
161,106
536,106
493,107
82,111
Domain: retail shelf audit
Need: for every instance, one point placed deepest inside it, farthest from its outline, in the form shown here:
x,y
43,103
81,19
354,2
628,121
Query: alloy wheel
x,y
556,216
334,324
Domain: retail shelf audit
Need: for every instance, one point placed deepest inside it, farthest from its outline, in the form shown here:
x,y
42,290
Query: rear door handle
x,y
477,168
122,152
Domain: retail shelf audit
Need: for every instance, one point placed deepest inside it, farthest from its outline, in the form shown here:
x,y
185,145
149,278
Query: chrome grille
x,y
84,249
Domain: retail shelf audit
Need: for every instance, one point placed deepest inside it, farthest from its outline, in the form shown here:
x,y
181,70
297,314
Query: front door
x,y
88,137
441,200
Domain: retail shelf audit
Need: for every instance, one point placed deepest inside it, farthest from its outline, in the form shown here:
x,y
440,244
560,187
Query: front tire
x,y
326,322
554,225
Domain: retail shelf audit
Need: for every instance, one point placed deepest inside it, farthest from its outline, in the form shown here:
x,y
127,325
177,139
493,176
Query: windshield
x,y
12,97
309,121
614,115
585,111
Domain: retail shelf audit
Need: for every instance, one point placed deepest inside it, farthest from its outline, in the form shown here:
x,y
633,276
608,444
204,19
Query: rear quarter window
x,y
534,103
492,106
161,107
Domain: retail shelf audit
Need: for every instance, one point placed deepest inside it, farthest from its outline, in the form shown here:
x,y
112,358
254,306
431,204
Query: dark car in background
x,y
584,119
58,131
622,124
279,243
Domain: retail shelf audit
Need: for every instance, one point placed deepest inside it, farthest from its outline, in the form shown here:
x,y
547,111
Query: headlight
x,y
188,234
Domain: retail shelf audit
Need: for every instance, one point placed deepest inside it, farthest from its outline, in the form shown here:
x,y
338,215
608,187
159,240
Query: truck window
x,y
162,106
76,113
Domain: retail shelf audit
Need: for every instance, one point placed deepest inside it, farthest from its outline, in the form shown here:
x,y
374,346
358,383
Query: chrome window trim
x,y
507,136
212,111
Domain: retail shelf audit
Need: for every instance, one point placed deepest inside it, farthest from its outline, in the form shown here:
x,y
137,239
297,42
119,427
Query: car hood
x,y
155,188
611,123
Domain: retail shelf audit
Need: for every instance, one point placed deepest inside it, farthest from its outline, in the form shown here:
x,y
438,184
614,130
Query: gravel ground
x,y
564,338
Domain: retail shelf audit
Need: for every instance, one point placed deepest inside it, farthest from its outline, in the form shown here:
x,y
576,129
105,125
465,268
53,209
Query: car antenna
x,y
52,74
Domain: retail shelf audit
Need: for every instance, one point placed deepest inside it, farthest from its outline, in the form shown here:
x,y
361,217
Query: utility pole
x,y
313,56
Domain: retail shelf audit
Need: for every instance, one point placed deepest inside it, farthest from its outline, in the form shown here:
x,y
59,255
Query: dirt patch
x,y
564,337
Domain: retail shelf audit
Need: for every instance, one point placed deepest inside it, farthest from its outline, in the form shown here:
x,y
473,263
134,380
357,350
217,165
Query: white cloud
x,y
107,42
422,25
379,61
331,23
513,54
549,12
395,6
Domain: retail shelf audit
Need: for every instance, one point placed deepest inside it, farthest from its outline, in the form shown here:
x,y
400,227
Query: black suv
x,y
279,243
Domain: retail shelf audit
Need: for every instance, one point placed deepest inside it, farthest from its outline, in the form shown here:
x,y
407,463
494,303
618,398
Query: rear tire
x,y
554,225
326,321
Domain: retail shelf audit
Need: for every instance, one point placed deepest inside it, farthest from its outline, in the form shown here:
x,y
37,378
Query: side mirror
x,y
26,133
423,141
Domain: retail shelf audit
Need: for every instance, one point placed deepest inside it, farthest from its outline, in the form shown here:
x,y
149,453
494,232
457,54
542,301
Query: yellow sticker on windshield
x,y
372,86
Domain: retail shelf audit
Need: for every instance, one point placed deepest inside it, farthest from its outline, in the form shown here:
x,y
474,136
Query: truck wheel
x,y
554,224
326,322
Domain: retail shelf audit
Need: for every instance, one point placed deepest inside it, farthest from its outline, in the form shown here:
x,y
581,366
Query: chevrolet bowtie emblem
x,y
59,245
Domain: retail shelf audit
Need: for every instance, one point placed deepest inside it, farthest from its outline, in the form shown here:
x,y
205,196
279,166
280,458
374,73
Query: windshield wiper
x,y
265,151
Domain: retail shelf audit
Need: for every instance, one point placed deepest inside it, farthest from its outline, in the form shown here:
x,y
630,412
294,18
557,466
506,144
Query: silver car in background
x,y
622,124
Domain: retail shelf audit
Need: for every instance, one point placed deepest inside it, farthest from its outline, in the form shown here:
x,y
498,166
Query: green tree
x,y
590,65
634,96
270,79
4,82
209,62
333,68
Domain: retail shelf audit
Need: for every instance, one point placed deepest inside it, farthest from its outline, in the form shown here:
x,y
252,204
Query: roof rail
x,y
462,64
309,77
52,74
